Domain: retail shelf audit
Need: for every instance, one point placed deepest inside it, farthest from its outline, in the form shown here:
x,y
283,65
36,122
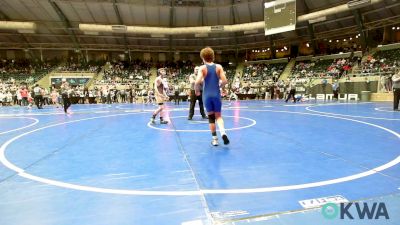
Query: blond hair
x,y
207,54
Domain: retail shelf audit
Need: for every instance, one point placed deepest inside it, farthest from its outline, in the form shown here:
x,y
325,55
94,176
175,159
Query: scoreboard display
x,y
279,16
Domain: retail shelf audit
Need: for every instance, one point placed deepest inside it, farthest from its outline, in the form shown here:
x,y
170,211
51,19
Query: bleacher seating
x,y
125,75
322,68
178,72
382,62
230,73
76,66
261,72
126,71
24,70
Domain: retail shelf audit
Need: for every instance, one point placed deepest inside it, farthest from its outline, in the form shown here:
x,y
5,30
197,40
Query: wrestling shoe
x,y
225,138
214,141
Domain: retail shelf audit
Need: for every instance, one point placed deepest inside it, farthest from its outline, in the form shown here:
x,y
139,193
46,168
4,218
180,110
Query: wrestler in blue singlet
x,y
211,92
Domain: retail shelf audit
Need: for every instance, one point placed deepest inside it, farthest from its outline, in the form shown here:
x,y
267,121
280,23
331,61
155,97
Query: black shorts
x,y
161,103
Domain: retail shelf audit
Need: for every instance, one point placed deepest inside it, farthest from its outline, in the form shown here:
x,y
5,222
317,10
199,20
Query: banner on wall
x,y
72,81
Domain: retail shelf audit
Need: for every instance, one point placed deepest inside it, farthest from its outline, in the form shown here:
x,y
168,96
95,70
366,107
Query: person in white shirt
x,y
232,95
65,93
46,96
150,95
38,91
382,84
144,94
194,97
9,97
292,92
19,97
396,91
2,98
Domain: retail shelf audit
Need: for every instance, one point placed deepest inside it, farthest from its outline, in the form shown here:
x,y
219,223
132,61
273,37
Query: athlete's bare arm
x,y
221,74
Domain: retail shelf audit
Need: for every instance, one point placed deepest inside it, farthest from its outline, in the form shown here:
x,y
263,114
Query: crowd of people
x,y
382,62
262,72
125,75
177,71
74,66
324,68
252,80
278,89
24,70
12,93
122,72
128,82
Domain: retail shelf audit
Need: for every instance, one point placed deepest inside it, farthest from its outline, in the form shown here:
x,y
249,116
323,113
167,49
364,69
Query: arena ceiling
x,y
58,22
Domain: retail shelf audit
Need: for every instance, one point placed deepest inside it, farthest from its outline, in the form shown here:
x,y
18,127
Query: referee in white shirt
x,y
38,96
396,91
193,97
